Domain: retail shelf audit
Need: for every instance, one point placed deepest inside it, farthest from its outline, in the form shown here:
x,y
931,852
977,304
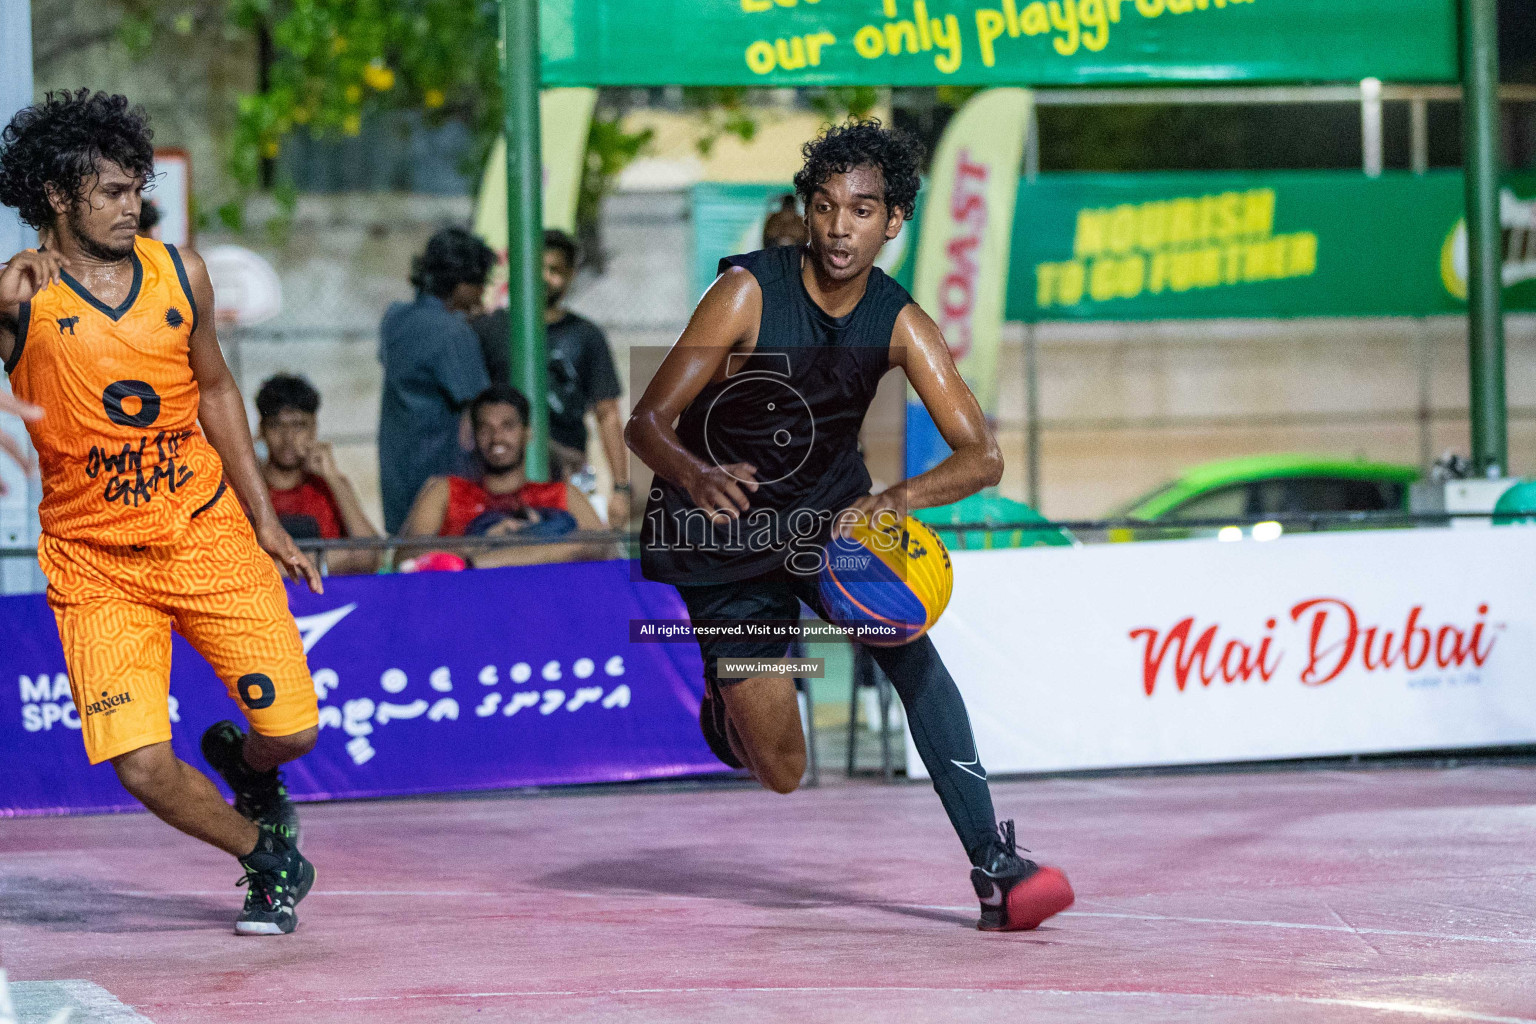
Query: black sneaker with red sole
x,y
1017,894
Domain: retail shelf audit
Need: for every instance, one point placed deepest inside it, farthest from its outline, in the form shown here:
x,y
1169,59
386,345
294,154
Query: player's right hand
x,y
27,274
723,489
274,540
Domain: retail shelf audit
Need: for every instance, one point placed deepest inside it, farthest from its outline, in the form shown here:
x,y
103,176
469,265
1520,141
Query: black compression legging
x,y
941,731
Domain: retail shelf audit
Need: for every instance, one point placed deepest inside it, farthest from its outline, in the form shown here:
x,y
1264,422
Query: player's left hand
x,y
274,540
887,507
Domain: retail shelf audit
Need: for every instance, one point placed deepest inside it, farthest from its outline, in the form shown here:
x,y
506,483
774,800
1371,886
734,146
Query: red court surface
x,y
1299,896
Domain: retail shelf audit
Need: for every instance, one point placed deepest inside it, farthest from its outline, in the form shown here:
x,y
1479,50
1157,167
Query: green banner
x,y
992,42
1177,246
1173,246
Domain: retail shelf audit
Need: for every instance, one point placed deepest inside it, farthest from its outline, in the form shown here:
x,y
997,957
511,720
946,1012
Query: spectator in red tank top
x,y
313,498
503,502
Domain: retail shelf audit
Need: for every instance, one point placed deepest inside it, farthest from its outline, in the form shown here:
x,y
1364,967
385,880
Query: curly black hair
x,y
285,391
58,142
453,257
842,147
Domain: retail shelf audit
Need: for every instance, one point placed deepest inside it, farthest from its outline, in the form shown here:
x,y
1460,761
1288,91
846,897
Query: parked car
x,y
1254,486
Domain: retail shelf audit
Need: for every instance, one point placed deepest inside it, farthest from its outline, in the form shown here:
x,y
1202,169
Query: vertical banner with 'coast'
x,y
961,277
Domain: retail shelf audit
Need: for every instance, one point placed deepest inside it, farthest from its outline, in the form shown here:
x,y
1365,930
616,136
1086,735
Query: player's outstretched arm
x,y
221,411
918,348
727,316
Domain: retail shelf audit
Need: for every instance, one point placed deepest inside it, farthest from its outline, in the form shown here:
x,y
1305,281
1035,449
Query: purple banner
x,y
427,683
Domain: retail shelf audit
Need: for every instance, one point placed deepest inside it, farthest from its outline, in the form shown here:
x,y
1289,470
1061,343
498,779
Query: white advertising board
x,y
1188,652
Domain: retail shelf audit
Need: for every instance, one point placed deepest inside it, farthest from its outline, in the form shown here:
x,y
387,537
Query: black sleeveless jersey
x,y
793,408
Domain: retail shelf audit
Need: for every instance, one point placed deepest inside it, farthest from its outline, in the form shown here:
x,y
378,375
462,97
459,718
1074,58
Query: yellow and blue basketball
x,y
889,581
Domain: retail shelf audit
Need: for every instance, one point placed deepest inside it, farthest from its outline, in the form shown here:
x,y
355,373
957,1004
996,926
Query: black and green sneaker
x,y
276,878
259,796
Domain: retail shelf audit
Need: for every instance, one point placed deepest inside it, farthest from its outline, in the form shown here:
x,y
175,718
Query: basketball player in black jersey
x,y
768,388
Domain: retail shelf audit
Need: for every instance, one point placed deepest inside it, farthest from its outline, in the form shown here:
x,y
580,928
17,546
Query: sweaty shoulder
x,y
767,266
736,291
913,324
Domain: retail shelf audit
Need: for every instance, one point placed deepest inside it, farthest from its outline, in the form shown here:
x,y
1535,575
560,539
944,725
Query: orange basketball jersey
x,y
123,461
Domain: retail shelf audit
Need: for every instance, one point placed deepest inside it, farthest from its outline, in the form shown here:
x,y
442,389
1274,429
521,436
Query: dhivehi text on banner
x,y
772,43
1279,244
960,276
431,682
1190,652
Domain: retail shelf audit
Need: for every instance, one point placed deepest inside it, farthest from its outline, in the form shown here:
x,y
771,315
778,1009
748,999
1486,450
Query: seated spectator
x,y
502,501
313,498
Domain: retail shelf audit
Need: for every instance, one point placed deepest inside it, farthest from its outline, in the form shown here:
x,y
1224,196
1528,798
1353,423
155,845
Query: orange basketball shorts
x,y
116,608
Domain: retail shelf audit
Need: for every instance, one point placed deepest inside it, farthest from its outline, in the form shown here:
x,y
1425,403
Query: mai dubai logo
x,y
1517,218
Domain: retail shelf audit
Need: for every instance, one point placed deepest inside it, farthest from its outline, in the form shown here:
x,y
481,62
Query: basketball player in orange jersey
x,y
142,435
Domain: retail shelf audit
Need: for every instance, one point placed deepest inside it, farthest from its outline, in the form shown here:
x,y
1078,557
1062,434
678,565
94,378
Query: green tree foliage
x,y
333,62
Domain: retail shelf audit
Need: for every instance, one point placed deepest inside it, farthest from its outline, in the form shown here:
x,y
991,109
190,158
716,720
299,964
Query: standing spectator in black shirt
x,y
581,376
432,369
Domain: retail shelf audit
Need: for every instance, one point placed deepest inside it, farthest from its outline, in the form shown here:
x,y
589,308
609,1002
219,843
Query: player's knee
x,y
782,783
783,773
148,772
279,749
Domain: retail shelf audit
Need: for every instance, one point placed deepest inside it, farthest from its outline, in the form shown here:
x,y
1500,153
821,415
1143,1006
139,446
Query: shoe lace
x,y
258,887
1010,842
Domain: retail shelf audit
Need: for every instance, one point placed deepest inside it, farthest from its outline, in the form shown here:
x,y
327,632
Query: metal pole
x,y
1425,356
1032,146
1031,418
1370,126
1485,321
1418,134
525,223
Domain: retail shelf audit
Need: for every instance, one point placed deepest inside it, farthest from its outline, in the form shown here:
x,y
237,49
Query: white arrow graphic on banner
x,y
312,628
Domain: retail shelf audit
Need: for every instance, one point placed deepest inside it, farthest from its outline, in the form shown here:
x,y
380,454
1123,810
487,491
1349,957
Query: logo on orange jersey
x,y
107,705
173,317
67,323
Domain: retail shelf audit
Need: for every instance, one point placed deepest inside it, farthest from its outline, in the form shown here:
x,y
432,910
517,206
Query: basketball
x,y
889,583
